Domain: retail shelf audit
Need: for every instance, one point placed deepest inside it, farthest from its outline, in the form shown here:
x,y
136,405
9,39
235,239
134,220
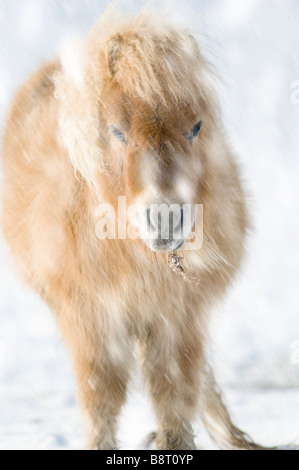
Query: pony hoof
x,y
148,442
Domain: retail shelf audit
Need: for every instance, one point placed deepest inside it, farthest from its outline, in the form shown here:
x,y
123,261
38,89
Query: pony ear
x,y
113,53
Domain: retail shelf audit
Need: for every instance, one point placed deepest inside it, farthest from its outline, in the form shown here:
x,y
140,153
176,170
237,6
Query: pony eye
x,y
195,130
118,134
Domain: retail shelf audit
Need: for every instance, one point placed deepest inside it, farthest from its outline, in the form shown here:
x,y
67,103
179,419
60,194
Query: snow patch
x,y
237,13
30,19
71,56
2,93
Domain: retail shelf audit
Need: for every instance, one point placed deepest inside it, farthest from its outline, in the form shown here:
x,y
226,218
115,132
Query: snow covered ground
x,y
255,46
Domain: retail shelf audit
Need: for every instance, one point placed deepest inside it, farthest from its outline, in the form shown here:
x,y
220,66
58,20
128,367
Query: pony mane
x,y
148,57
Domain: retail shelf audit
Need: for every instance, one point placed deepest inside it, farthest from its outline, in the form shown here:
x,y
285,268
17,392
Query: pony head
x,y
137,119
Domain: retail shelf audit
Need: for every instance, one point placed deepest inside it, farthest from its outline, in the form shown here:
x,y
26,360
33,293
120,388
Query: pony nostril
x,y
160,222
150,225
177,221
182,219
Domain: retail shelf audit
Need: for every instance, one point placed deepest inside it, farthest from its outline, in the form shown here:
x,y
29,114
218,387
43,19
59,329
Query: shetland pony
x,y
131,112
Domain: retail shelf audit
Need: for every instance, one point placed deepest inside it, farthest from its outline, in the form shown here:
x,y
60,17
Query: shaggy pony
x,y
121,116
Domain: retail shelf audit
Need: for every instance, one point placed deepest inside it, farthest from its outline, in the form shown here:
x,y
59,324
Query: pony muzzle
x,y
168,226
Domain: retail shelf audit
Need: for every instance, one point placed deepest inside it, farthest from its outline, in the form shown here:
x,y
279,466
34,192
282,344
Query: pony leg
x,y
102,389
171,369
102,377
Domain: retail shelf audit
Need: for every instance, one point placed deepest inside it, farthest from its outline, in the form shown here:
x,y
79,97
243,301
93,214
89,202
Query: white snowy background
x,y
255,47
